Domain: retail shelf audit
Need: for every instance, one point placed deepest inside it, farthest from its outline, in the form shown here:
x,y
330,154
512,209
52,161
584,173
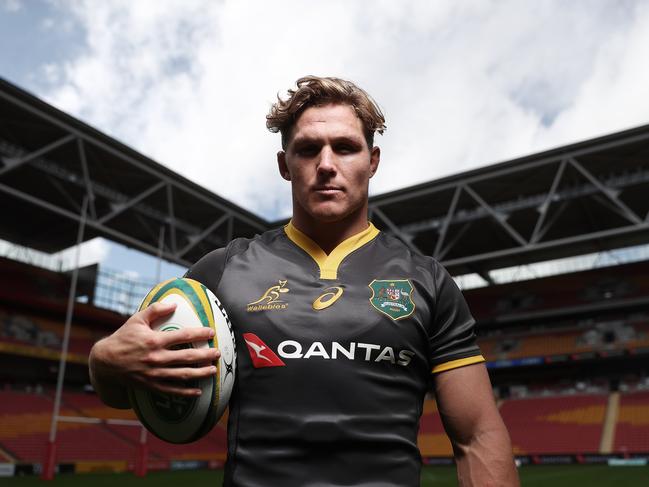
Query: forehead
x,y
328,121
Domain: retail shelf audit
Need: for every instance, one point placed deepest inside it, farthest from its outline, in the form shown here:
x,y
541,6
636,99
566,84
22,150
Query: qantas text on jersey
x,y
291,349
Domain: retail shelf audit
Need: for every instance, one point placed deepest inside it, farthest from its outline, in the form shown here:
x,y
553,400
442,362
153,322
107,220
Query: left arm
x,y
481,444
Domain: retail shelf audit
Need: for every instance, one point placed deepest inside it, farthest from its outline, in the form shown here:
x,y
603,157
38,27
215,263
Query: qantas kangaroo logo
x,y
260,353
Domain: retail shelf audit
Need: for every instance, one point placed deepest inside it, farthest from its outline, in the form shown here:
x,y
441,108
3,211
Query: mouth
x,y
327,189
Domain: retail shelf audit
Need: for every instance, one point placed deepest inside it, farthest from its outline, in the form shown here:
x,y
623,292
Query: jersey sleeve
x,y
209,269
452,340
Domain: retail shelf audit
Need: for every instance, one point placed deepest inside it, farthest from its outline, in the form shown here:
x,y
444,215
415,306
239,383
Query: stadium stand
x,y
35,330
632,431
578,338
538,425
432,439
553,425
211,447
608,285
25,424
36,336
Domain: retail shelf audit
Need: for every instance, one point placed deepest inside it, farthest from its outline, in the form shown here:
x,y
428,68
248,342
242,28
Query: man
x,y
338,327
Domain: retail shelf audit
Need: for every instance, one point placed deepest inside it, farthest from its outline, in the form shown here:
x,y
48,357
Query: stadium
x,y
551,252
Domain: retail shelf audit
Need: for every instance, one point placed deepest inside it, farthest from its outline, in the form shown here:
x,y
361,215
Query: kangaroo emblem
x,y
272,294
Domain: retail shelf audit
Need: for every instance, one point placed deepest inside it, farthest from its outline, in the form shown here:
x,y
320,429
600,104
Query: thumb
x,y
156,311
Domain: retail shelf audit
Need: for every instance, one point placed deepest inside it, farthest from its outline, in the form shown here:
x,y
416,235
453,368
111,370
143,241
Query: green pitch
x,y
556,476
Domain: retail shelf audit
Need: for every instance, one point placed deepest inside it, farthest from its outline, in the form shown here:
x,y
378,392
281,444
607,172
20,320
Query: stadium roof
x,y
50,161
585,197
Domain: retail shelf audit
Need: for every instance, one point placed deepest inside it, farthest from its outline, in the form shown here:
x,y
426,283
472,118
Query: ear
x,y
375,158
282,166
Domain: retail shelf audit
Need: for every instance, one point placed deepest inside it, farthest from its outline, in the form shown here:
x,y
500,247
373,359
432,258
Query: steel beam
x,y
485,275
197,238
398,233
452,182
608,192
66,194
86,178
557,243
133,161
109,194
121,207
12,164
534,201
172,218
553,219
543,209
606,202
453,241
171,182
230,232
498,216
119,236
447,220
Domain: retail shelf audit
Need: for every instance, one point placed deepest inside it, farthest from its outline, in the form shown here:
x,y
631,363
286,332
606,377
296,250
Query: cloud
x,y
462,84
11,6
615,95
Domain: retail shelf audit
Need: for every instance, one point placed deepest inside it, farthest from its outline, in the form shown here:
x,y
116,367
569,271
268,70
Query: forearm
x,y
486,460
109,389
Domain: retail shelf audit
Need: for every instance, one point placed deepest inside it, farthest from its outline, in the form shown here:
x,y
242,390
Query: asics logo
x,y
327,298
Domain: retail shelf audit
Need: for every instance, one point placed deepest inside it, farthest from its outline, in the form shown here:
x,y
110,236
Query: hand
x,y
136,355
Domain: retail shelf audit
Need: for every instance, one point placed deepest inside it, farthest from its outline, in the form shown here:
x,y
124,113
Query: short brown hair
x,y
317,91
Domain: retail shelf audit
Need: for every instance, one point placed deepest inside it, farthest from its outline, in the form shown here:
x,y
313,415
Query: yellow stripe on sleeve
x,y
454,364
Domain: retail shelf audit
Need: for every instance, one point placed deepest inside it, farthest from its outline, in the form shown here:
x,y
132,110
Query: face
x,y
329,165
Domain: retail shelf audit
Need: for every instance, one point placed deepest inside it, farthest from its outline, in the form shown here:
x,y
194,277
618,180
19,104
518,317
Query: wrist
x,y
107,386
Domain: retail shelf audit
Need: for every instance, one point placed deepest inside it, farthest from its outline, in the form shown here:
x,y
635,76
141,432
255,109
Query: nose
x,y
327,162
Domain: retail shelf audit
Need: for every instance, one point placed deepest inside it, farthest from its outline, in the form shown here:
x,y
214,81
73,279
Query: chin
x,y
328,217
329,214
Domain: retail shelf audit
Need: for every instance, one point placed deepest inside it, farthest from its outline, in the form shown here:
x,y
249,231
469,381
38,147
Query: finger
x,y
187,356
173,389
183,374
187,335
156,311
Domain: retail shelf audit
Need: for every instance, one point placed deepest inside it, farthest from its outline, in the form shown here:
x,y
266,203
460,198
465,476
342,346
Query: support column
x,y
142,459
49,463
610,421
142,455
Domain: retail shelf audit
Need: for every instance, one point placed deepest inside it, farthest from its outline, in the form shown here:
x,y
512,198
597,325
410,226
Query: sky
x,y
463,83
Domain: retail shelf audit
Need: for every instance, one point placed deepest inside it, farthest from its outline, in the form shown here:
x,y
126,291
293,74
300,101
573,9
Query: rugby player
x,y
341,329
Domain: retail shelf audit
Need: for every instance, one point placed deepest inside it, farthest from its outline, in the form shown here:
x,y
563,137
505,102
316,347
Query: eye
x,y
309,150
346,148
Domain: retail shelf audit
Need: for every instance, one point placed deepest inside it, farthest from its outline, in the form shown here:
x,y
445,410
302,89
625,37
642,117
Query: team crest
x,y
392,297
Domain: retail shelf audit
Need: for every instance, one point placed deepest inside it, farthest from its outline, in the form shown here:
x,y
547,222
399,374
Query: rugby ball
x,y
180,419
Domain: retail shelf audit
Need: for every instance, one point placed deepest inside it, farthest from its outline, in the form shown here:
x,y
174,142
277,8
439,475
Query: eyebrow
x,y
343,138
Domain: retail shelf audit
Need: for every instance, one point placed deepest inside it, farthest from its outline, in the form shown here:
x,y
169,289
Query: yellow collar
x,y
329,264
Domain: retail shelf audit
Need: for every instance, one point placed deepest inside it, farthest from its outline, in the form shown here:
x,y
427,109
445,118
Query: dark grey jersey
x,y
335,354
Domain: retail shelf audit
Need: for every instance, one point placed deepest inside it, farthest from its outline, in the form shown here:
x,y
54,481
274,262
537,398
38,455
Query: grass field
x,y
554,476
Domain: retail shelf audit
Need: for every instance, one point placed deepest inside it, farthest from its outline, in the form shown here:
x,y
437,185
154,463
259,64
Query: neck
x,y
328,235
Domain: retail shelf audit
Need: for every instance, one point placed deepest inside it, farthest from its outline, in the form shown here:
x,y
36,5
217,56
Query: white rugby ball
x,y
179,419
